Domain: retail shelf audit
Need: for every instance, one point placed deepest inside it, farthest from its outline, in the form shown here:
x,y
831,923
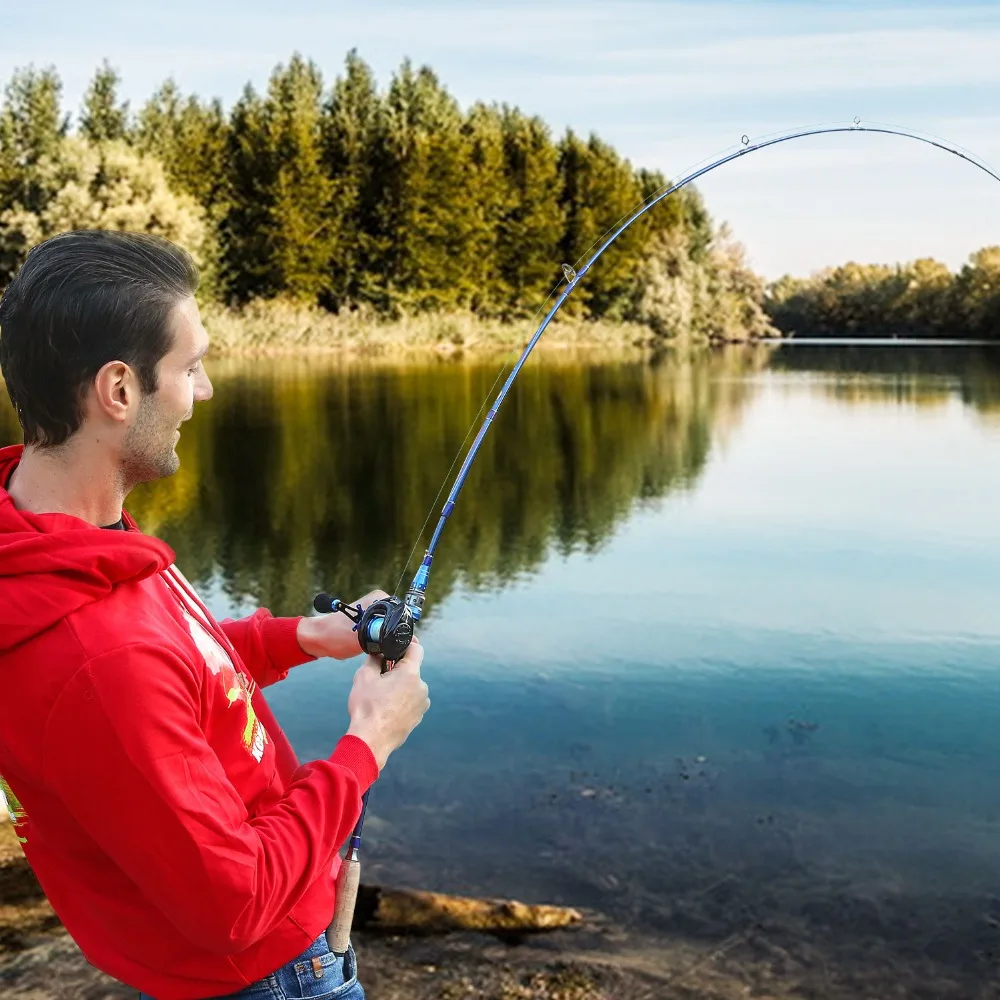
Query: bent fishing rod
x,y
386,627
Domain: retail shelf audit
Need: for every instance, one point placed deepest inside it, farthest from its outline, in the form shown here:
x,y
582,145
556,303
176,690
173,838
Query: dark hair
x,y
80,300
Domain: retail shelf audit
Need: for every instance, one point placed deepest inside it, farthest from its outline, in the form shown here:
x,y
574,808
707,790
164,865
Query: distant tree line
x,y
920,299
346,196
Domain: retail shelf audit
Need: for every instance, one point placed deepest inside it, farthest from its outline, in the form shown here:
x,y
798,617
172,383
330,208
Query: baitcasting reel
x,y
384,628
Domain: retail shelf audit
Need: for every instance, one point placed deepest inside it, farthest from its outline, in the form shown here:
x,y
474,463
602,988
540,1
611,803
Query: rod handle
x,y
338,934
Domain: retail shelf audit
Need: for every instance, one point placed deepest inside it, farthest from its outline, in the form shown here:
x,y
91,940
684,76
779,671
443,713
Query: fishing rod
x,y
386,627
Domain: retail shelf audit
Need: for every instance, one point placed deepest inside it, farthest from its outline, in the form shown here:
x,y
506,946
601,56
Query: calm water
x,y
713,643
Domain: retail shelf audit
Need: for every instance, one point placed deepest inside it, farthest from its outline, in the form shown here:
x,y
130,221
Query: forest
x,y
922,299
320,211
360,201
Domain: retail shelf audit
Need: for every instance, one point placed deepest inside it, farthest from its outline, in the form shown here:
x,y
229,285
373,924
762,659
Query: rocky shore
x,y
789,935
414,946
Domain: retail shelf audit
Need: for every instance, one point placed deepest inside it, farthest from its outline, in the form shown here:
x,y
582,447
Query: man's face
x,y
148,449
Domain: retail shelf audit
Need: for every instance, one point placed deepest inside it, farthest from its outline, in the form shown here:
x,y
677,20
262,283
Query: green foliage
x,y
189,138
919,299
705,293
599,191
352,131
392,204
31,123
977,289
533,219
107,185
103,118
32,128
277,223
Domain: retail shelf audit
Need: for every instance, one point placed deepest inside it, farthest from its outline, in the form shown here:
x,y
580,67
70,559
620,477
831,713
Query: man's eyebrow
x,y
200,354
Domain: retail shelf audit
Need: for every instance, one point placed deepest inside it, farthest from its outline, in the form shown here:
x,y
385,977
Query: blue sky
x,y
669,84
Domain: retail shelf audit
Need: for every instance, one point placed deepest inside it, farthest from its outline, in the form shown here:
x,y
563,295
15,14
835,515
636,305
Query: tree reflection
x,y
301,475
298,477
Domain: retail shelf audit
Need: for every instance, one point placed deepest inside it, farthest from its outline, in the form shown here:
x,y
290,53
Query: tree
x,y
103,118
352,127
709,296
31,123
189,138
428,212
301,239
599,191
244,226
276,229
108,185
32,127
493,202
978,287
533,222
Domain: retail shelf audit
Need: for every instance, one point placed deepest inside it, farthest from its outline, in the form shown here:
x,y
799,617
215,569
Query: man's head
x,y
101,341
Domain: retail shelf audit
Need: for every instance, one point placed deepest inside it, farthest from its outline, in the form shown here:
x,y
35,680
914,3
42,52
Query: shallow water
x,y
713,643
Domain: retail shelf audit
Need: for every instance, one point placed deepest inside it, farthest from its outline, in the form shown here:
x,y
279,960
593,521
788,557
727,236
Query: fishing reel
x,y
384,628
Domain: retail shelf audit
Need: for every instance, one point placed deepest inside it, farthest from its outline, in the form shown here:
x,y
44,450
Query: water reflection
x,y
925,375
297,477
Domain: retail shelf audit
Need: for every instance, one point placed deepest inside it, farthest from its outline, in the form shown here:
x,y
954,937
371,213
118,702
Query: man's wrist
x,y
305,634
369,737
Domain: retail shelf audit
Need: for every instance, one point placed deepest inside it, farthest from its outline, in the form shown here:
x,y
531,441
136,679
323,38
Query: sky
x,y
668,84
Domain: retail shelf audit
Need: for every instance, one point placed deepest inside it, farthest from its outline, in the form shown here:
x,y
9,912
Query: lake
x,y
713,639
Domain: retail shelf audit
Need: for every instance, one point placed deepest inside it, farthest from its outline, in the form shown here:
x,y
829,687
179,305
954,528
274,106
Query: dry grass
x,y
279,327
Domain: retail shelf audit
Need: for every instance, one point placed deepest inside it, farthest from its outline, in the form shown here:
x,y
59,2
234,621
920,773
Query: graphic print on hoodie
x,y
163,810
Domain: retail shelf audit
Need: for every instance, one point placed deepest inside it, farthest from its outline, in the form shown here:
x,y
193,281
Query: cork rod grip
x,y
338,934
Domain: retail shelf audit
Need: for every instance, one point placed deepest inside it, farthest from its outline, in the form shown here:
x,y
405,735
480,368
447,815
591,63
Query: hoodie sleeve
x,y
124,749
268,646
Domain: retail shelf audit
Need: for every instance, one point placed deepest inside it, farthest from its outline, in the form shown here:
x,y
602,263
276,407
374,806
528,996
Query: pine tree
x,y
32,127
31,124
103,118
532,225
276,231
352,126
599,192
300,210
429,211
244,229
189,138
484,127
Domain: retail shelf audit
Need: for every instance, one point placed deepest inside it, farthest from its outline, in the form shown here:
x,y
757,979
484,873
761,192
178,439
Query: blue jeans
x,y
326,978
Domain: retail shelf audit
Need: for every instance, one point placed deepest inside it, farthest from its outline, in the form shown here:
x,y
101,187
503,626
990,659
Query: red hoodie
x,y
158,801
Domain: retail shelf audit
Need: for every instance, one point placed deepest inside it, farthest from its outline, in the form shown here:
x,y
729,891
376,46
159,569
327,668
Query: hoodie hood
x,y
54,564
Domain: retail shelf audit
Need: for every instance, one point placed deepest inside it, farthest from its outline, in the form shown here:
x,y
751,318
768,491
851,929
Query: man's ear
x,y
114,392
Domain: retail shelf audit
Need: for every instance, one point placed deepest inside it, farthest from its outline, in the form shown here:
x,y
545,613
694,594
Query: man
x,y
159,803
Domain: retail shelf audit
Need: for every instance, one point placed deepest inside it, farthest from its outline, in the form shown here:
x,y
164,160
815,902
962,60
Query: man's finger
x,y
413,657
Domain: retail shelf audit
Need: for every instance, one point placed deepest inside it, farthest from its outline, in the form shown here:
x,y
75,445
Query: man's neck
x,y
68,480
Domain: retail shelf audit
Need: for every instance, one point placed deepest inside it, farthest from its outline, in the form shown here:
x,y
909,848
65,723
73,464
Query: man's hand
x,y
332,634
386,708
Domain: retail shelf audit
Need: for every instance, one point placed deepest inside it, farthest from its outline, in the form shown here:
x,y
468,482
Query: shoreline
x,y
780,931
275,327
